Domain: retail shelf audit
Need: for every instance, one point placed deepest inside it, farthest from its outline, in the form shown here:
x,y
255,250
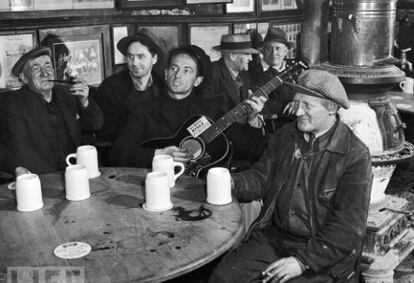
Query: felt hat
x,y
239,43
321,84
32,54
144,37
277,35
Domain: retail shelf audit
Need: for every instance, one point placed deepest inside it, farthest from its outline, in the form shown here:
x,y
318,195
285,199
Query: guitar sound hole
x,y
193,147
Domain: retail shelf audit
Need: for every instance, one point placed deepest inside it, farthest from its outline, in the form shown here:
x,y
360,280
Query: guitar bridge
x,y
193,167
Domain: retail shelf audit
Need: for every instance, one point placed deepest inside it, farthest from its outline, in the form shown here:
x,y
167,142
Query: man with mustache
x,y
121,92
315,181
162,116
42,122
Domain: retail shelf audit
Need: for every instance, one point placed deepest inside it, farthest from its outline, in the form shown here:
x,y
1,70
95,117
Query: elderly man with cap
x,y
274,49
43,122
162,116
229,81
120,93
315,180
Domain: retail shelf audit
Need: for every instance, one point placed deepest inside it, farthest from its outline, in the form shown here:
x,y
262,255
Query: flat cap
x,y
321,84
34,53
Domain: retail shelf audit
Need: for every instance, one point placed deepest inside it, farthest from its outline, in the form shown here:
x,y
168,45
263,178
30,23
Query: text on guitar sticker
x,y
199,126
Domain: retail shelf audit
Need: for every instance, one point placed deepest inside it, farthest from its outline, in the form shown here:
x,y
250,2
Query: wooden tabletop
x,y
128,243
403,101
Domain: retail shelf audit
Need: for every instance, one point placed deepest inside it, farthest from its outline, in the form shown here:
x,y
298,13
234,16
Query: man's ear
x,y
155,59
23,78
198,81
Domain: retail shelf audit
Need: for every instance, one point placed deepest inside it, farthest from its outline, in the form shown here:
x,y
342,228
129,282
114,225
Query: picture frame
x,y
80,51
207,1
12,47
52,5
208,35
131,4
288,4
270,5
21,5
118,32
240,6
93,4
243,27
166,36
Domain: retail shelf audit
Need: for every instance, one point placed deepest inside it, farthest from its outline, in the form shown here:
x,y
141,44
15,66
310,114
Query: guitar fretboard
x,y
239,111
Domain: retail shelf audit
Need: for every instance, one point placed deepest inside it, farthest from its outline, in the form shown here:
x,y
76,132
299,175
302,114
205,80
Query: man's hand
x,y
21,171
282,270
178,154
81,89
256,103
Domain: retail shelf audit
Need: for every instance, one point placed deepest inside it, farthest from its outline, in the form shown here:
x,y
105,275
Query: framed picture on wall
x,y
80,51
21,5
12,47
118,32
207,1
166,36
288,4
52,5
93,4
240,6
206,36
243,27
270,5
130,4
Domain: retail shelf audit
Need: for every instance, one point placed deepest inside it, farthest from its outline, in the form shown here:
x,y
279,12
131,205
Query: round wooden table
x,y
129,244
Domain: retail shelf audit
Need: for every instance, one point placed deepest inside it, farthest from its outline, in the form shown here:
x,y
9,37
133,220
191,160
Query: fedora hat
x,y
144,37
32,54
239,42
277,35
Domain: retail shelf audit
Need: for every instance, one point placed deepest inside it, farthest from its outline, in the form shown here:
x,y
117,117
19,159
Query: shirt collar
x,y
137,87
267,66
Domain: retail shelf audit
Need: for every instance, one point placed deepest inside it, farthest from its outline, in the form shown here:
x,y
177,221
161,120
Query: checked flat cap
x,y
321,84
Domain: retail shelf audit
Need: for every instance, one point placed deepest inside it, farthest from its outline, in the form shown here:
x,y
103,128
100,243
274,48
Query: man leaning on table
x,y
43,121
315,180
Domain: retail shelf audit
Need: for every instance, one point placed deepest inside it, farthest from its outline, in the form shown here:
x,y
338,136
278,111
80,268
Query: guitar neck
x,y
239,111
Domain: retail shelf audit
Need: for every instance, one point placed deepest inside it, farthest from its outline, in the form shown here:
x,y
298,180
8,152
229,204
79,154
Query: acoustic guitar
x,y
204,139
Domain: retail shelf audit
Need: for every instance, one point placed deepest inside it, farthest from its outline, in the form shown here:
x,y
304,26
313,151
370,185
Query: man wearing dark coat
x,y
274,48
120,93
229,82
162,116
315,181
43,122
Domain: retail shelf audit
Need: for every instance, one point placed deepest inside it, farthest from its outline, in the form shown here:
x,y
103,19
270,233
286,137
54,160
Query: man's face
x,y
241,61
37,73
181,75
139,60
312,115
274,53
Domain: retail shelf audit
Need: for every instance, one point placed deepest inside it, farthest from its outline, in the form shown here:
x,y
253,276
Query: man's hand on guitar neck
x,y
178,154
256,103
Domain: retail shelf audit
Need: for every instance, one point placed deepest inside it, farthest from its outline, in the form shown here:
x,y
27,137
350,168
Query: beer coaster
x,y
12,186
72,250
404,105
144,206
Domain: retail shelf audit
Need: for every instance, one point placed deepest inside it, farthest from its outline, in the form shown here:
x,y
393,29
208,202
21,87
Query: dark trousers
x,y
247,262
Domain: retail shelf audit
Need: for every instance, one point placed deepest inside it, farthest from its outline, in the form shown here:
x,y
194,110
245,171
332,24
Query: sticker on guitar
x,y
199,126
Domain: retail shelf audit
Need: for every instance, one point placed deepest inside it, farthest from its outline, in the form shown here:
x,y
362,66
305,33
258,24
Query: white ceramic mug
x,y
157,192
165,163
88,156
28,192
407,86
219,186
77,183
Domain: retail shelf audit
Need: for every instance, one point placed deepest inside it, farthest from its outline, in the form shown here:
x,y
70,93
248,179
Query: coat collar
x,y
339,142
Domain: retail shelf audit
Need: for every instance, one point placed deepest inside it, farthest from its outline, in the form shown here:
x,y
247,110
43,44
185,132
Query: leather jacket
x,y
339,185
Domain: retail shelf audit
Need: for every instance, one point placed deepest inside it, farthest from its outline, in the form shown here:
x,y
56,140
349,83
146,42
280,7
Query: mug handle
x,y
179,164
402,85
69,157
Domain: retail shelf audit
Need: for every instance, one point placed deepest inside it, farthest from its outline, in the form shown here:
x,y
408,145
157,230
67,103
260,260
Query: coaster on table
x,y
72,250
